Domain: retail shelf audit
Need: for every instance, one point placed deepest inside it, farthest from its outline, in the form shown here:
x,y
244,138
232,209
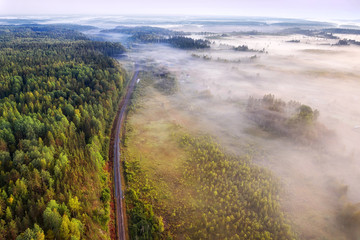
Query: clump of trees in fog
x,y
293,41
187,43
242,48
345,42
245,48
165,81
291,119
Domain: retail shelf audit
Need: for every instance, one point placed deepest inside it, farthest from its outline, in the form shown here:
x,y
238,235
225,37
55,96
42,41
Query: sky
x,y
314,9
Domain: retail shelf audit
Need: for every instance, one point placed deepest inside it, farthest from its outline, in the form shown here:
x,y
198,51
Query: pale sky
x,y
316,9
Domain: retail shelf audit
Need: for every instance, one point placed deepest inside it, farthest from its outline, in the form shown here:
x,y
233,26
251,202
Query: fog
x,y
215,85
212,99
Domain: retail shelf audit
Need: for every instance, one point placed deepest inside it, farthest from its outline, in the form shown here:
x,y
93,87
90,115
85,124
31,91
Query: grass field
x,y
151,141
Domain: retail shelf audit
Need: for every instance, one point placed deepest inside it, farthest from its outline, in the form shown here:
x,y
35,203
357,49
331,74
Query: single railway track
x,y
119,195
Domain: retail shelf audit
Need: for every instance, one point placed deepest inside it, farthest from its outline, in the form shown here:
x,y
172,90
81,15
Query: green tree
x,y
74,205
32,234
52,219
8,214
64,231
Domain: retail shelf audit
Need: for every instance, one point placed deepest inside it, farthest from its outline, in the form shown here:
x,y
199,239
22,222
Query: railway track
x,y
119,195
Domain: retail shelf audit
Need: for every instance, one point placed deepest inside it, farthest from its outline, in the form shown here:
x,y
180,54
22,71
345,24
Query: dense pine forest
x,y
58,95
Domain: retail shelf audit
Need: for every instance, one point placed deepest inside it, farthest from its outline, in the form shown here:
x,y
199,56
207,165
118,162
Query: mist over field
x,y
215,85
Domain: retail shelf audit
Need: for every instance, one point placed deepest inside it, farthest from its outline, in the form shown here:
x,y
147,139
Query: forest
x,y
146,34
59,92
174,41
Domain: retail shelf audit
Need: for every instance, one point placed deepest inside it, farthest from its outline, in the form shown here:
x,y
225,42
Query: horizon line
x,y
4,16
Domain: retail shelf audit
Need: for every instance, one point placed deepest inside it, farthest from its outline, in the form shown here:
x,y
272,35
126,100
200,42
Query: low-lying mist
x,y
320,181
